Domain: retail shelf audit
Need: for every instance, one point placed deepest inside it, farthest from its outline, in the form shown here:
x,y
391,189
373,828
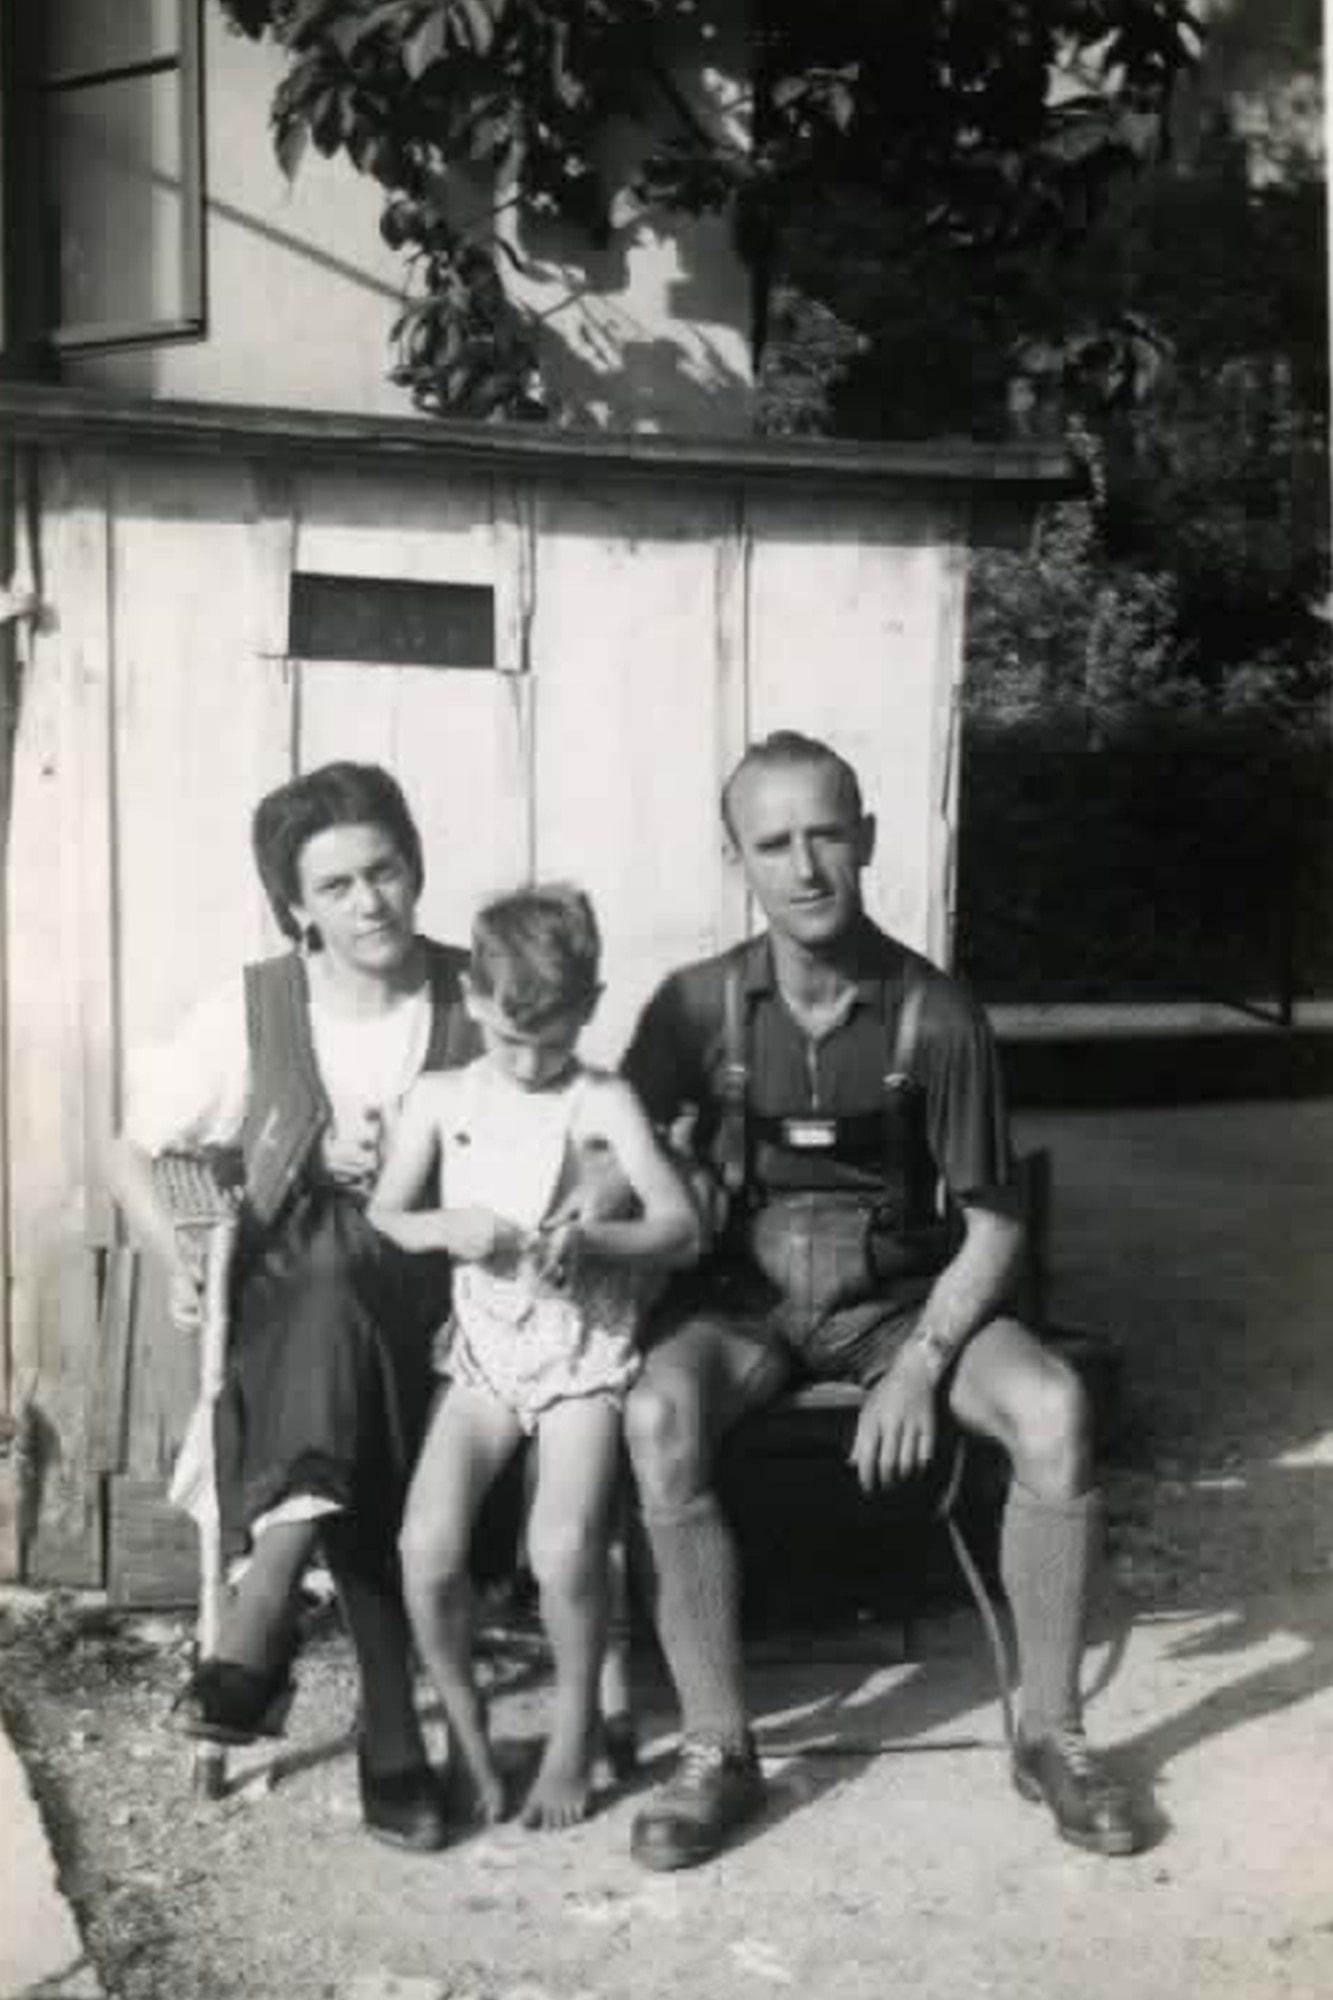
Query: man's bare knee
x,y
1053,1429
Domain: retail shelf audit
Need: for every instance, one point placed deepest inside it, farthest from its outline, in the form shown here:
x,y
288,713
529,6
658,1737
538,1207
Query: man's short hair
x,y
780,751
333,795
537,954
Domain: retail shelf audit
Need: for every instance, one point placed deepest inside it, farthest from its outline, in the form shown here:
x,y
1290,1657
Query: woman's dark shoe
x,y
224,1702
404,1808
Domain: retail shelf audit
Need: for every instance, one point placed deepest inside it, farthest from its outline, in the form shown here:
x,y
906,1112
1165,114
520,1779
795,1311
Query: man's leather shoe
x,y
1089,1807
224,1702
713,1790
403,1808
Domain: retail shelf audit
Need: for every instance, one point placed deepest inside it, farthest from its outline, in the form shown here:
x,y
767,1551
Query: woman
x,y
301,1065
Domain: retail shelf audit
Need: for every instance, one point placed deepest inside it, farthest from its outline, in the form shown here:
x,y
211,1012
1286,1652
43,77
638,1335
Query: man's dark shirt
x,y
677,1055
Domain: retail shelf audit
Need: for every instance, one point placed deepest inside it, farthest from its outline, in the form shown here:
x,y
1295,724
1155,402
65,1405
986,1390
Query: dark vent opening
x,y
391,623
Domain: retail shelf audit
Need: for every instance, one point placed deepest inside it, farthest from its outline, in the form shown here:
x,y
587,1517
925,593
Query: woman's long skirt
x,y
329,1379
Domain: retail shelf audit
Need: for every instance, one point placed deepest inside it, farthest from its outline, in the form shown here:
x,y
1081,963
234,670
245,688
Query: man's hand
x,y
896,1431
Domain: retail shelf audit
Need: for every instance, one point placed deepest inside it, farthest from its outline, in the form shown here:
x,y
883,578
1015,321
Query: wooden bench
x,y
784,1477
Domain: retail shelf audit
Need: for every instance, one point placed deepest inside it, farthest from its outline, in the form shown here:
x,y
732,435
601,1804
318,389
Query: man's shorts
x,y
799,1279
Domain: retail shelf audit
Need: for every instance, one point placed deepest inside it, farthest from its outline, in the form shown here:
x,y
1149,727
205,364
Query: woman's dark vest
x,y
288,1108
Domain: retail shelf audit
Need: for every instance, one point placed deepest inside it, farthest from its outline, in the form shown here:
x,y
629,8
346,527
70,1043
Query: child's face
x,y
534,1060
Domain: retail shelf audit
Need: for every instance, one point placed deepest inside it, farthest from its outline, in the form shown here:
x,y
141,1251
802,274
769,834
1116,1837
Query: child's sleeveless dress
x,y
526,1341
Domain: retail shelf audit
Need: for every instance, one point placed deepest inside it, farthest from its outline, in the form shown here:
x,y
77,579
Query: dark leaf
x,y
289,143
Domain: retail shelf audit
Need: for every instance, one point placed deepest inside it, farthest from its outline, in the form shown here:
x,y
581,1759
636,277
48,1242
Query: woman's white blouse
x,y
192,1089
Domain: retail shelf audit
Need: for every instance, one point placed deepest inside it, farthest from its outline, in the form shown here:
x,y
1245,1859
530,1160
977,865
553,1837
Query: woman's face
x,y
357,890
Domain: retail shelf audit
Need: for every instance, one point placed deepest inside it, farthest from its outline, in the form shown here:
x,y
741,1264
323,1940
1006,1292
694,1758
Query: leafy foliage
x,y
933,119
1205,555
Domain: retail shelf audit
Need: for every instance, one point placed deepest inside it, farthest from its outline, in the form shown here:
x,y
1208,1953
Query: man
x,y
837,1078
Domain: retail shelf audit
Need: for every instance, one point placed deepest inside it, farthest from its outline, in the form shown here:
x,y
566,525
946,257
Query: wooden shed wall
x,y
645,629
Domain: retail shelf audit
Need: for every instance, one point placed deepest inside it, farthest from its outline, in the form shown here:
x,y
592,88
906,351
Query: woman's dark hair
x,y
537,954
333,795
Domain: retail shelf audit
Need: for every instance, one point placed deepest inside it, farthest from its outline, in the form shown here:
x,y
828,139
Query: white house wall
x,y
855,627
628,634
301,291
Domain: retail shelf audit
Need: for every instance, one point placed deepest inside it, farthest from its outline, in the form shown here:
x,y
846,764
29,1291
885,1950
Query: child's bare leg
x,y
578,1446
470,1438
619,1736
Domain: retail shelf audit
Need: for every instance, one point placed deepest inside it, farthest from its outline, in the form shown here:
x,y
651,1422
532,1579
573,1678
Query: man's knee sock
x,y
1049,1551
365,1571
696,1605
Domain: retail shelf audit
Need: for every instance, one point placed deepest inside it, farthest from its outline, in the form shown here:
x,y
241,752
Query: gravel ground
x,y
1201,1237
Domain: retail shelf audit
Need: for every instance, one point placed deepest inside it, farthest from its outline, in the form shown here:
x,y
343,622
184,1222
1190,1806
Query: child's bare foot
x,y
561,1791
475,1789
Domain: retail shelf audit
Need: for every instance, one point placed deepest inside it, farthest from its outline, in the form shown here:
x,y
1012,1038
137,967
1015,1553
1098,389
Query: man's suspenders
x,y
732,1137
907,1031
733,1145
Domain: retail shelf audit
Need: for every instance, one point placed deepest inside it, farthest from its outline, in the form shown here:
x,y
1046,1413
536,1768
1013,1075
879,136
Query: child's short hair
x,y
537,954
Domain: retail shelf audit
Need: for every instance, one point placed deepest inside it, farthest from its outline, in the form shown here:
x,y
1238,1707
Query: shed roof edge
x,y
46,413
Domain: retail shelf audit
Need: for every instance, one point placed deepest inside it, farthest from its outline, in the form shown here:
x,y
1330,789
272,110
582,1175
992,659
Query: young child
x,y
542,1336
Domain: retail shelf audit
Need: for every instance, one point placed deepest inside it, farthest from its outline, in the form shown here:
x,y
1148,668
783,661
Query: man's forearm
x,y
974,1287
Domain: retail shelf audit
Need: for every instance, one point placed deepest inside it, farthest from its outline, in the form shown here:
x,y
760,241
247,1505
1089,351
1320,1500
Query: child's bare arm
x,y
668,1230
473,1234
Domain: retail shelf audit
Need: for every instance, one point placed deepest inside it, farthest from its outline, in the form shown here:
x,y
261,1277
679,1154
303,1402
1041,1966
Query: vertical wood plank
x,y
90,692
203,720
61,1032
845,644
733,704
273,676
625,638
107,1423
946,741
517,557
17,585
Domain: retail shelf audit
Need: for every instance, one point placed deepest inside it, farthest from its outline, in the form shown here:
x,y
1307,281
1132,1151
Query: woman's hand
x,y
185,1297
351,1152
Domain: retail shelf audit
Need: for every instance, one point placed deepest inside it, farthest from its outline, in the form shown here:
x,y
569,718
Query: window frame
x,y
32,92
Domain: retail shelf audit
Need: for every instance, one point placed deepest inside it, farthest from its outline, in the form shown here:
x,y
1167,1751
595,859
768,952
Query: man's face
x,y
357,890
802,846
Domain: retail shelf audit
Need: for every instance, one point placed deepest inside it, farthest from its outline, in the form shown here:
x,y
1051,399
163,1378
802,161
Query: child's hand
x,y
558,1249
480,1236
